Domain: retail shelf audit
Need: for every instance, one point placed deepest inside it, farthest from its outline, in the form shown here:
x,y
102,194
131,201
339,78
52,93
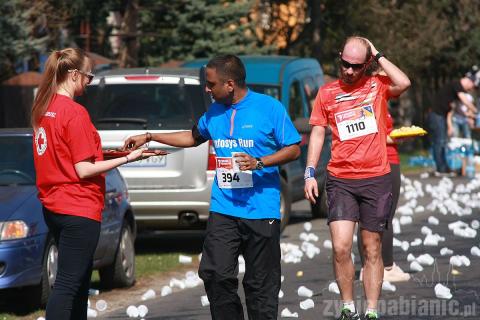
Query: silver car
x,y
170,192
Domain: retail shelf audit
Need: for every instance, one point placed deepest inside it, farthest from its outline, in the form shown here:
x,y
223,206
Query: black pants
x,y
387,237
259,242
76,239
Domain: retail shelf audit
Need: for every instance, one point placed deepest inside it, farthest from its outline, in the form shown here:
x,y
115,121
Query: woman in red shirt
x,y
69,167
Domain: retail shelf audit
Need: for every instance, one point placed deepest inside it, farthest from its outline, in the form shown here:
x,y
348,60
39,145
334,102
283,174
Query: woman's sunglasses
x,y
354,66
89,75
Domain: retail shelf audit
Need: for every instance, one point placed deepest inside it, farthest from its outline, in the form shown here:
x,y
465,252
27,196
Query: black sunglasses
x,y
354,66
89,75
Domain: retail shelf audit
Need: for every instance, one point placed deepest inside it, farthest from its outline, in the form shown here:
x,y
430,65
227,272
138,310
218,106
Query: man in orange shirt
x,y
358,181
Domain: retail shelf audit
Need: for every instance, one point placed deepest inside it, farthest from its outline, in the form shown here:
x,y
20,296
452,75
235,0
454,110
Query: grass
x,y
147,264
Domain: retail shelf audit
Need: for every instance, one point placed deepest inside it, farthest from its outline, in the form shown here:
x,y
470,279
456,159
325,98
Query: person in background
x,y
461,120
69,171
437,118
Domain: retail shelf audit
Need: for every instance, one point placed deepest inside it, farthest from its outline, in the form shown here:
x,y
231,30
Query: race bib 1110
x,y
356,122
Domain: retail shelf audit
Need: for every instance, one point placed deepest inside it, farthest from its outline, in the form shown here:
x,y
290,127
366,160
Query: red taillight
x,y
212,159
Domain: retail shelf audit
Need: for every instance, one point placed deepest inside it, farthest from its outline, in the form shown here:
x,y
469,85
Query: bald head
x,y
356,50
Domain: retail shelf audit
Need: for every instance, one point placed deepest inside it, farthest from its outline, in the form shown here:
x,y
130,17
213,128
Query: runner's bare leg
x,y
342,238
373,268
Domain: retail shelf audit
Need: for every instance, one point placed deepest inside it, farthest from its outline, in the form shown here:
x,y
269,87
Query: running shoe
x,y
348,315
371,316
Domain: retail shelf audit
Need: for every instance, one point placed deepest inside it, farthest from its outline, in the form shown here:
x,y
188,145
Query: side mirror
x,y
302,125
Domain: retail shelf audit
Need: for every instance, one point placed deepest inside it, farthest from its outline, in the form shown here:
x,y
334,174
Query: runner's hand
x,y
134,142
245,161
311,190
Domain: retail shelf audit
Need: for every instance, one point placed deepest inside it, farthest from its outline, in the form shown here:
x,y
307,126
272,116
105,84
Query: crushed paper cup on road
x,y
416,242
466,232
280,294
288,314
132,311
307,304
387,286
304,292
327,244
149,294
456,261
410,257
475,251
426,230
174,282
299,273
142,310
442,292
333,287
184,259
465,260
396,226
166,290
425,259
446,252
307,226
475,224
415,266
405,245
457,224
433,220
406,220
101,305
92,313
282,278
204,301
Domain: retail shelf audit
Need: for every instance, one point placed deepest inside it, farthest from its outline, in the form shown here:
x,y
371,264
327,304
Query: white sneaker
x,y
395,274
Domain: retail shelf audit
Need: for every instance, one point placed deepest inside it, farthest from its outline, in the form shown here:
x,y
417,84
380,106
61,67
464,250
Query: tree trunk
x,y
129,50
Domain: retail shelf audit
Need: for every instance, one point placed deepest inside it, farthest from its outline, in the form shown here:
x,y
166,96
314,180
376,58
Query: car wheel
x,y
49,273
320,208
121,273
285,203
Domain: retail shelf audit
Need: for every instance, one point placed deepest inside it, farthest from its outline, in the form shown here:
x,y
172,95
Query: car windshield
x,y
144,106
273,91
16,161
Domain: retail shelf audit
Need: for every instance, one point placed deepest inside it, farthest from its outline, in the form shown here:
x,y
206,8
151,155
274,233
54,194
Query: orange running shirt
x,y
357,116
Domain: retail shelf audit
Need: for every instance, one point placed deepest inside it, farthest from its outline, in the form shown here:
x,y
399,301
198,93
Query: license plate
x,y
154,161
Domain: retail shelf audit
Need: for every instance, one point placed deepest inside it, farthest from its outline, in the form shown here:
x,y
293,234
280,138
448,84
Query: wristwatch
x,y
378,56
260,165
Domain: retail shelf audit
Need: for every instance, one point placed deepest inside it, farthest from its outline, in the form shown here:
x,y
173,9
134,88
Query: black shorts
x,y
366,201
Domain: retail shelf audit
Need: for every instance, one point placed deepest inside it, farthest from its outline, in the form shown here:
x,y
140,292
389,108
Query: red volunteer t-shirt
x,y
392,149
357,116
66,136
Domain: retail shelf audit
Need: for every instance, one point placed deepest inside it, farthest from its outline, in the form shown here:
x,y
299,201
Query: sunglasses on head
x,y
354,66
89,75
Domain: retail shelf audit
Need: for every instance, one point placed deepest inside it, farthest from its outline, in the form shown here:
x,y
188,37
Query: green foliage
x,y
18,40
194,28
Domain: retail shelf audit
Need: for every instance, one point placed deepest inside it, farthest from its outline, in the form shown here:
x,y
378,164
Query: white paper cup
x,y
142,310
184,259
204,301
149,294
307,304
166,290
304,292
132,312
101,305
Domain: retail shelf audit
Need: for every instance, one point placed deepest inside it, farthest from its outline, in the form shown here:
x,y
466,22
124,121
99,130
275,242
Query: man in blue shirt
x,y
252,134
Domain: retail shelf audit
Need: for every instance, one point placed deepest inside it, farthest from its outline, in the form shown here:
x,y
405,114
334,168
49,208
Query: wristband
x,y
127,159
148,137
378,56
309,173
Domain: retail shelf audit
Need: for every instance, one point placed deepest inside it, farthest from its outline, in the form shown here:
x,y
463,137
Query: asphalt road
x,y
415,299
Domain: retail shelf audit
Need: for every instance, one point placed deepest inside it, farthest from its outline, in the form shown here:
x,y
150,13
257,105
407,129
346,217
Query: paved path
x,y
412,300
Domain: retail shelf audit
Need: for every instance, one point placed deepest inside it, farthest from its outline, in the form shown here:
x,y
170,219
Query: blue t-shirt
x,y
258,125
